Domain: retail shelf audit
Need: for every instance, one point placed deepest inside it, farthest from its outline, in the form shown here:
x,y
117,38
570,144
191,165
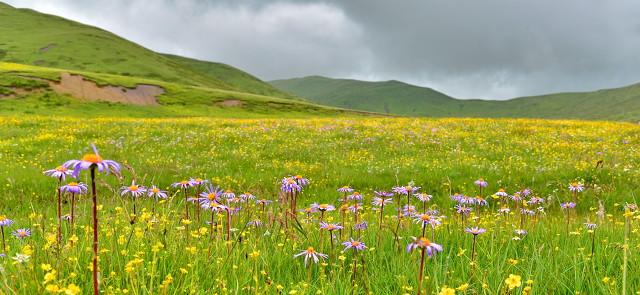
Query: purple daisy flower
x,y
379,202
408,210
462,209
576,187
383,194
361,226
156,193
354,245
481,183
254,223
356,196
345,189
301,181
197,181
568,205
422,197
59,172
536,200
590,226
504,210
426,219
501,193
77,188
330,226
355,207
4,221
475,230
263,202
405,190
21,233
90,160
289,185
424,243
247,196
520,232
134,190
183,184
322,207
312,254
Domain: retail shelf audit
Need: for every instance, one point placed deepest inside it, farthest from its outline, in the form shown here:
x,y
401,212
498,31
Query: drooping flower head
x,y
59,172
4,221
424,243
354,245
77,188
481,183
92,160
229,195
475,230
134,190
21,233
536,200
462,209
312,254
156,193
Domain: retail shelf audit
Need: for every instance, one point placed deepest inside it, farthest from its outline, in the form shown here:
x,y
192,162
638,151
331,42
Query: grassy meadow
x,y
164,253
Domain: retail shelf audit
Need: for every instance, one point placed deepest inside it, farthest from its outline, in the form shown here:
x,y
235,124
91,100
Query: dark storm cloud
x,y
467,48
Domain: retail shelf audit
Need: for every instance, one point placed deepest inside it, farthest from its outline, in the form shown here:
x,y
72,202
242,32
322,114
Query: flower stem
x,y
96,288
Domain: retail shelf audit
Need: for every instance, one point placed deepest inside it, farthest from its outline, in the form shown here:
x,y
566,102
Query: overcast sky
x,y
465,48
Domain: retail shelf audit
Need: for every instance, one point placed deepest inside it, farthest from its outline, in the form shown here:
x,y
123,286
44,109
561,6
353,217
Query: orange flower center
x,y
310,250
155,190
92,158
425,217
133,188
355,244
211,197
425,242
72,184
184,182
2,218
61,168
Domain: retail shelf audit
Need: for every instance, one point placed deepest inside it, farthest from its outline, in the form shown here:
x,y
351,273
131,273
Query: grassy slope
x,y
178,100
231,76
404,99
30,37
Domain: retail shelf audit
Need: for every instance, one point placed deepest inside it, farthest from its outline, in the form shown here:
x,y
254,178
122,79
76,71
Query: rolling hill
x,y
393,97
51,65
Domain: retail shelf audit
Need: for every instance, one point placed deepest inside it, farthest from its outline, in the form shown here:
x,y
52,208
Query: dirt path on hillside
x,y
77,86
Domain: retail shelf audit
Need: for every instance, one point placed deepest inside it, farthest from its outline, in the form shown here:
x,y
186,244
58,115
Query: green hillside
x,y
399,98
33,38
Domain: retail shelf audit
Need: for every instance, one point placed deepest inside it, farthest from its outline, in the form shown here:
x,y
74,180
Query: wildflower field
x,y
318,206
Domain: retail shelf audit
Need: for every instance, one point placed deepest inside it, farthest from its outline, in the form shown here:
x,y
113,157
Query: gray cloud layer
x,y
466,48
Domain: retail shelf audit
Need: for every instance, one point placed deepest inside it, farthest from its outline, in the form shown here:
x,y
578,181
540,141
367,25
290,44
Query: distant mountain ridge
x,y
394,97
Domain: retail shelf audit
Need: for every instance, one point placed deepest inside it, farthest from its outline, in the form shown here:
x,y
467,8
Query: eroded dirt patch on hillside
x,y
77,86
230,103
